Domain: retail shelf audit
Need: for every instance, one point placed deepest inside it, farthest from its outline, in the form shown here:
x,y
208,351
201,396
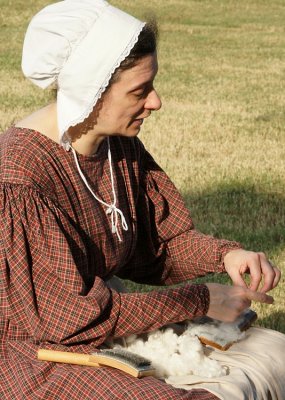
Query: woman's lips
x,y
138,121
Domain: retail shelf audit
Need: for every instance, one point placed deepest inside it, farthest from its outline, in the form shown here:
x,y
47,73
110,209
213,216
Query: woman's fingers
x,y
228,302
271,273
238,262
277,276
260,297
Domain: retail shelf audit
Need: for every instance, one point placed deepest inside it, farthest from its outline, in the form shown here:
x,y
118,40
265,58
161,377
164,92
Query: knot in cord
x,y
112,209
115,212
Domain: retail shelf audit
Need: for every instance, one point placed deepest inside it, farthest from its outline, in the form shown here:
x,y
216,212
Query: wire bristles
x,y
127,357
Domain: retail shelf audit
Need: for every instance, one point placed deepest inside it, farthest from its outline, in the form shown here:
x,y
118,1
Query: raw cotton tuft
x,y
174,355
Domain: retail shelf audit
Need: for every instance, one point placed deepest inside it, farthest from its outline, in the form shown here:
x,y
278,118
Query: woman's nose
x,y
153,101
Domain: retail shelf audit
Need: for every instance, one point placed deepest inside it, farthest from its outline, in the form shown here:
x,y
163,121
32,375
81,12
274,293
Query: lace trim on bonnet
x,y
98,95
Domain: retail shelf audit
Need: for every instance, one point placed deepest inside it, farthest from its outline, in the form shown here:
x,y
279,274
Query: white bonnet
x,y
75,46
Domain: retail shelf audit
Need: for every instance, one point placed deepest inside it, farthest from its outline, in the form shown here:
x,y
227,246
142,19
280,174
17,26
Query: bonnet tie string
x,y
112,209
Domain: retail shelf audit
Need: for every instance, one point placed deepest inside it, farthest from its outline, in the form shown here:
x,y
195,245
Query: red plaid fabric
x,y
57,251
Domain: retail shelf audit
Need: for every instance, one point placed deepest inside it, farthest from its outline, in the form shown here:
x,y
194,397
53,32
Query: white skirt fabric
x,y
255,365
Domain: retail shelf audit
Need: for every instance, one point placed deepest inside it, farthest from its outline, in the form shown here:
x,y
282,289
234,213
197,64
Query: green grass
x,y
220,133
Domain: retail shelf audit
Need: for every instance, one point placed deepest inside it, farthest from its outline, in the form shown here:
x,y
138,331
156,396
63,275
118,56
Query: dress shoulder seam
x,y
27,186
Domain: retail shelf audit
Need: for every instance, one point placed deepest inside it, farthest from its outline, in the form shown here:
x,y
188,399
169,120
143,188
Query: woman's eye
x,y
143,92
140,94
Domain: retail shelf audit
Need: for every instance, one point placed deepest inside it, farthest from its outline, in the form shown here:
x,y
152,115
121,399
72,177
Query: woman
x,y
81,200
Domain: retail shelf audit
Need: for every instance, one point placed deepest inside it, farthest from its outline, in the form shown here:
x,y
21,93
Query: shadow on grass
x,y
242,213
247,215
276,319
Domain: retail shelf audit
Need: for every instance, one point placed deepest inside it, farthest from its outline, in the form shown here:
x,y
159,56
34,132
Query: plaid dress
x,y
57,250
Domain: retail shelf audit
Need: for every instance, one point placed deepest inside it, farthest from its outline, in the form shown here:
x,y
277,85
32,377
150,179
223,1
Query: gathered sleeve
x,y
169,249
43,293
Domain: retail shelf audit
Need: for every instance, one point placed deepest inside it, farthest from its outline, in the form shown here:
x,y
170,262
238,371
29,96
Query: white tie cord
x,y
112,209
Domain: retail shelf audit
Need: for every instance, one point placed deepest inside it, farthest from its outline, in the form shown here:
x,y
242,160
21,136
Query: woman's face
x,y
129,100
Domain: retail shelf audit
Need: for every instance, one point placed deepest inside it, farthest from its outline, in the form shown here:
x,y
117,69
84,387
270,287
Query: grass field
x,y
220,133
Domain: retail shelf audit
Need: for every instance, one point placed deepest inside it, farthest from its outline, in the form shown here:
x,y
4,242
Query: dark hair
x,y
146,44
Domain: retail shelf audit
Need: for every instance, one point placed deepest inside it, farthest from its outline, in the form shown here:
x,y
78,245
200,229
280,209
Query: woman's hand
x,y
228,302
238,262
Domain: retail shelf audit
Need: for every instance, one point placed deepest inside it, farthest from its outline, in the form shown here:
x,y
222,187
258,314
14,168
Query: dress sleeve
x,y
43,294
169,249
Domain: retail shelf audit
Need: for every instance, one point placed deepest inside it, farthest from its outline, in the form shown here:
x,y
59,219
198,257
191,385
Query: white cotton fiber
x,y
221,333
174,355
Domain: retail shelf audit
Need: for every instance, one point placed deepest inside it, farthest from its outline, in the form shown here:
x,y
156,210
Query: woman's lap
x,y
259,356
256,369
42,380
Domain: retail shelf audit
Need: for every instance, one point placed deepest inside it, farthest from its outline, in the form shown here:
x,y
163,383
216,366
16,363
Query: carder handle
x,y
66,357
